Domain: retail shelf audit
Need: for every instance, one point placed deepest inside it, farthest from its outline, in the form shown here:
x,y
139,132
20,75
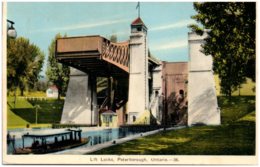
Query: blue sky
x,y
166,21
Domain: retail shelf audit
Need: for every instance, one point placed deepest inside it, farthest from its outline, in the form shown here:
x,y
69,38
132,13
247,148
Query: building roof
x,y
138,21
109,112
53,87
153,59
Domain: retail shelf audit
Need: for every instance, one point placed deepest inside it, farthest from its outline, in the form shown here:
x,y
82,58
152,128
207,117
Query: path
x,y
85,150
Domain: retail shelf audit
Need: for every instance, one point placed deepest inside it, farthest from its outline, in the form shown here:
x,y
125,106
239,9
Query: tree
x,y
24,63
113,38
57,73
41,85
230,41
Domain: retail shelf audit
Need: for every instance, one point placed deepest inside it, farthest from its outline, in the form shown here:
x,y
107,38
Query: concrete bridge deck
x,y
94,55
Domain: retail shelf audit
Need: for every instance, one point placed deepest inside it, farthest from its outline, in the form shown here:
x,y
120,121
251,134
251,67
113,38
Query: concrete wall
x,y
138,100
157,78
202,99
156,105
177,75
80,99
121,118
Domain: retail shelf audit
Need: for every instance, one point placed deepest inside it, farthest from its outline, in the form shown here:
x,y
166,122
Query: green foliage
x,y
57,73
24,63
230,41
41,85
113,38
236,135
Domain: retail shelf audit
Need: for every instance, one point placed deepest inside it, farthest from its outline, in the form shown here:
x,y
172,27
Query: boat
x,y
52,142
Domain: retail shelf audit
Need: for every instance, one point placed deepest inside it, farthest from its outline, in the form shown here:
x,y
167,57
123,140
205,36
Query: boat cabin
x,y
51,142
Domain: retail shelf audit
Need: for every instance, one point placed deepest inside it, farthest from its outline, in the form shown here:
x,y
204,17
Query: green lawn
x,y
24,112
236,135
14,120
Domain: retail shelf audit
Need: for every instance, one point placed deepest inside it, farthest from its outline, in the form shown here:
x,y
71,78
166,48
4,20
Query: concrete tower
x,y
138,100
203,107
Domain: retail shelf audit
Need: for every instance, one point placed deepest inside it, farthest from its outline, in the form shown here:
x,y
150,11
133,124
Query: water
x,y
95,136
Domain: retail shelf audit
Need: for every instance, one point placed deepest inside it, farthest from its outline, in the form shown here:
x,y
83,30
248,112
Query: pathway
x,y
90,149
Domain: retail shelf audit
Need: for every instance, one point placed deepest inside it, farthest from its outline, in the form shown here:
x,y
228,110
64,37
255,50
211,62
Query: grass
x,y
237,107
20,103
13,120
236,135
24,112
36,94
50,110
29,93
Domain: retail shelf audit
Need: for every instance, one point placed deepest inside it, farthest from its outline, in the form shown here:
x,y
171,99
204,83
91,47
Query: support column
x,y
80,105
202,98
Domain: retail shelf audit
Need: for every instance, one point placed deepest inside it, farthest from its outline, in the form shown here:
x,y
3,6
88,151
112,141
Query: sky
x,y
166,21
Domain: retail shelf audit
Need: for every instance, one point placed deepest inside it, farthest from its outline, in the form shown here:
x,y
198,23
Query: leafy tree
x,y
230,41
113,38
24,63
41,85
57,73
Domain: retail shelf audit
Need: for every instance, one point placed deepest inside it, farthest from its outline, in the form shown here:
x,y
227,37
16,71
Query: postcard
x,y
129,83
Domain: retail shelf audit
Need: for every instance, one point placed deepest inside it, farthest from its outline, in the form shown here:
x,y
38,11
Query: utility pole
x,y
36,113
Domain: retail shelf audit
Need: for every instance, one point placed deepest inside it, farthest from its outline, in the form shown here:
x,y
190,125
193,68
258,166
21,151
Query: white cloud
x,y
121,33
84,25
171,45
180,24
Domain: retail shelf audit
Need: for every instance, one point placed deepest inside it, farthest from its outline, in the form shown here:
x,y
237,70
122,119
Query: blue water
x,y
96,137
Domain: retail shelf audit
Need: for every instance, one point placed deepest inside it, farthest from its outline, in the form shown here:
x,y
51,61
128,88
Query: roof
x,y
153,59
40,135
53,87
109,112
45,135
138,21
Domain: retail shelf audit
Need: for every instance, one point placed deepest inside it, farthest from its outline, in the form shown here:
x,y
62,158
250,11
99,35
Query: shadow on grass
x,y
235,108
235,139
50,111
28,114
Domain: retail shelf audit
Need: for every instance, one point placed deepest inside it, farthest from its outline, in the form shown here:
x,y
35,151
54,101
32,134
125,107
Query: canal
x,y
96,136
